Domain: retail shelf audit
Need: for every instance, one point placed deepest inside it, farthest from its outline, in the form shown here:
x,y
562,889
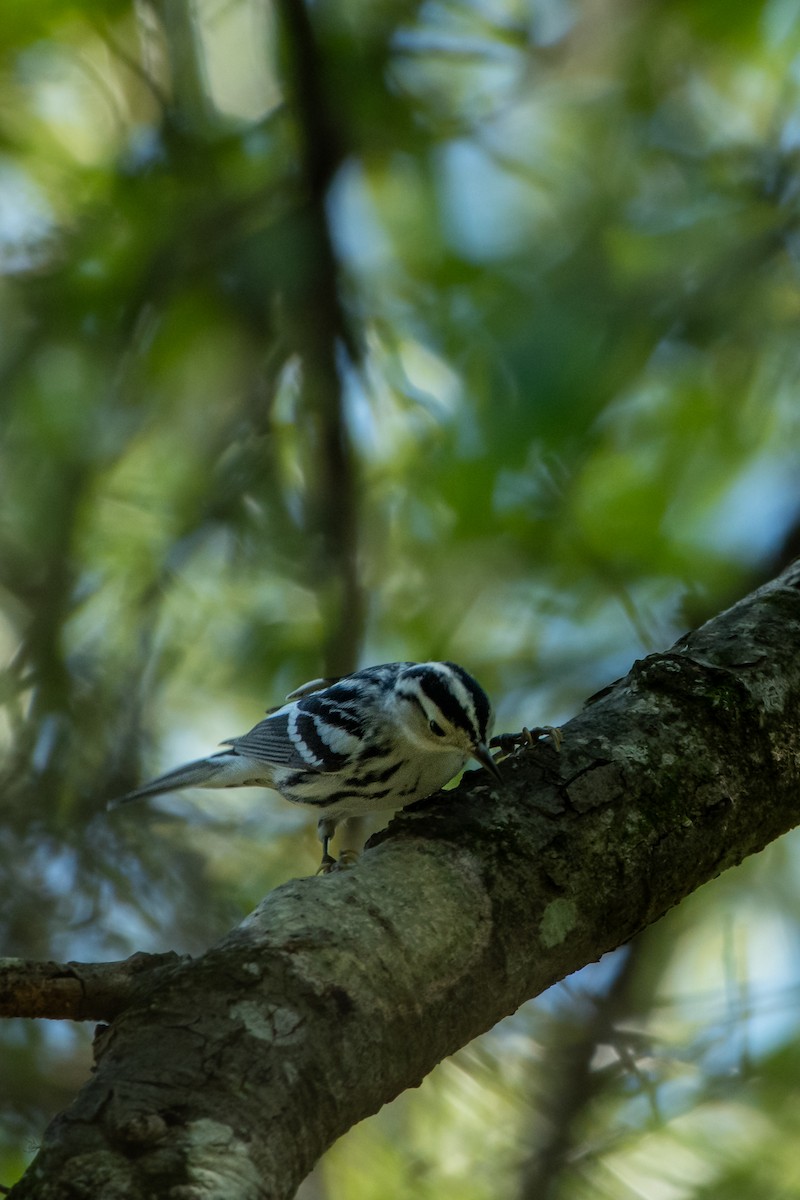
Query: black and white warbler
x,y
378,739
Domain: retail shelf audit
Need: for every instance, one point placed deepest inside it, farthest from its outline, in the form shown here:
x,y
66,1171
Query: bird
x,y
380,738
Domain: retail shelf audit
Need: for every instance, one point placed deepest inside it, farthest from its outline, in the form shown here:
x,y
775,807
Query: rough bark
x,y
228,1075
74,991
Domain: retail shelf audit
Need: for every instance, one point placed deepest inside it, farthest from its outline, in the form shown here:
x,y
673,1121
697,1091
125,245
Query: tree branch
x,y
74,991
321,331
234,1071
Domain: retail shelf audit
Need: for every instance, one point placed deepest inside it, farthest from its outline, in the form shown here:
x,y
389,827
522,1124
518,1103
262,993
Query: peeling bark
x,y
228,1075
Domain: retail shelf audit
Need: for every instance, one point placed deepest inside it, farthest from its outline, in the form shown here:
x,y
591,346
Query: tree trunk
x,y
228,1075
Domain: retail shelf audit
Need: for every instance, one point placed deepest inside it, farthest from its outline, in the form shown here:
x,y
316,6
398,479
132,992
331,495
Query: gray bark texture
x,y
228,1075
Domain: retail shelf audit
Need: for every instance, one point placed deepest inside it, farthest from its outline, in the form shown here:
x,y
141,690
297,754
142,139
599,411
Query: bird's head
x,y
443,709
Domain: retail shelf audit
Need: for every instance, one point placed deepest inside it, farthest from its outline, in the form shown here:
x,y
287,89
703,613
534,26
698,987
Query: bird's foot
x,y
346,859
506,743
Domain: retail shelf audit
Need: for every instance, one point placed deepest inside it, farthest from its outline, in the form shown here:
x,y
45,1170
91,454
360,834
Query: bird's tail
x,y
221,770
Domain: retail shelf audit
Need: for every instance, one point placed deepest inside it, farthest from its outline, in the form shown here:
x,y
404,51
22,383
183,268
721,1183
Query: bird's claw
x,y
329,864
506,743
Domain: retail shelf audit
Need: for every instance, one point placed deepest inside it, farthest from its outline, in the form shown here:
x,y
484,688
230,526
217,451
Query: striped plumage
x,y
378,739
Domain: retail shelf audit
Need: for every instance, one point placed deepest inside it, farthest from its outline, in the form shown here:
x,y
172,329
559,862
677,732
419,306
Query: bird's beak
x,y
481,753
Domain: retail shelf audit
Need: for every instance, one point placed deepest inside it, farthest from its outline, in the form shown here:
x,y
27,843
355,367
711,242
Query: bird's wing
x,y
269,742
320,732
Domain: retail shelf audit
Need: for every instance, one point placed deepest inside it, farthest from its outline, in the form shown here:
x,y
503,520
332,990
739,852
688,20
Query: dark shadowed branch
x,y
74,991
320,329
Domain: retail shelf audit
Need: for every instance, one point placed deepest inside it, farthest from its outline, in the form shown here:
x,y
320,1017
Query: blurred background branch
x,y
320,328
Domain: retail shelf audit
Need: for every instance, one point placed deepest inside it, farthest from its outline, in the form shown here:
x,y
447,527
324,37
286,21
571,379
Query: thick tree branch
x,y
74,991
234,1072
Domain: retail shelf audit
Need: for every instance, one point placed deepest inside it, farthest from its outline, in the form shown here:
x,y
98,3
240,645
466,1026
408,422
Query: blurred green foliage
x,y
466,330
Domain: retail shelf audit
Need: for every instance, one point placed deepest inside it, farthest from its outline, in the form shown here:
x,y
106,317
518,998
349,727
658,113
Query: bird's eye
x,y
437,729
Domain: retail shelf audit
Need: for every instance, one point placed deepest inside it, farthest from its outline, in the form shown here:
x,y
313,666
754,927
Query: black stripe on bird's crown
x,y
483,709
436,689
